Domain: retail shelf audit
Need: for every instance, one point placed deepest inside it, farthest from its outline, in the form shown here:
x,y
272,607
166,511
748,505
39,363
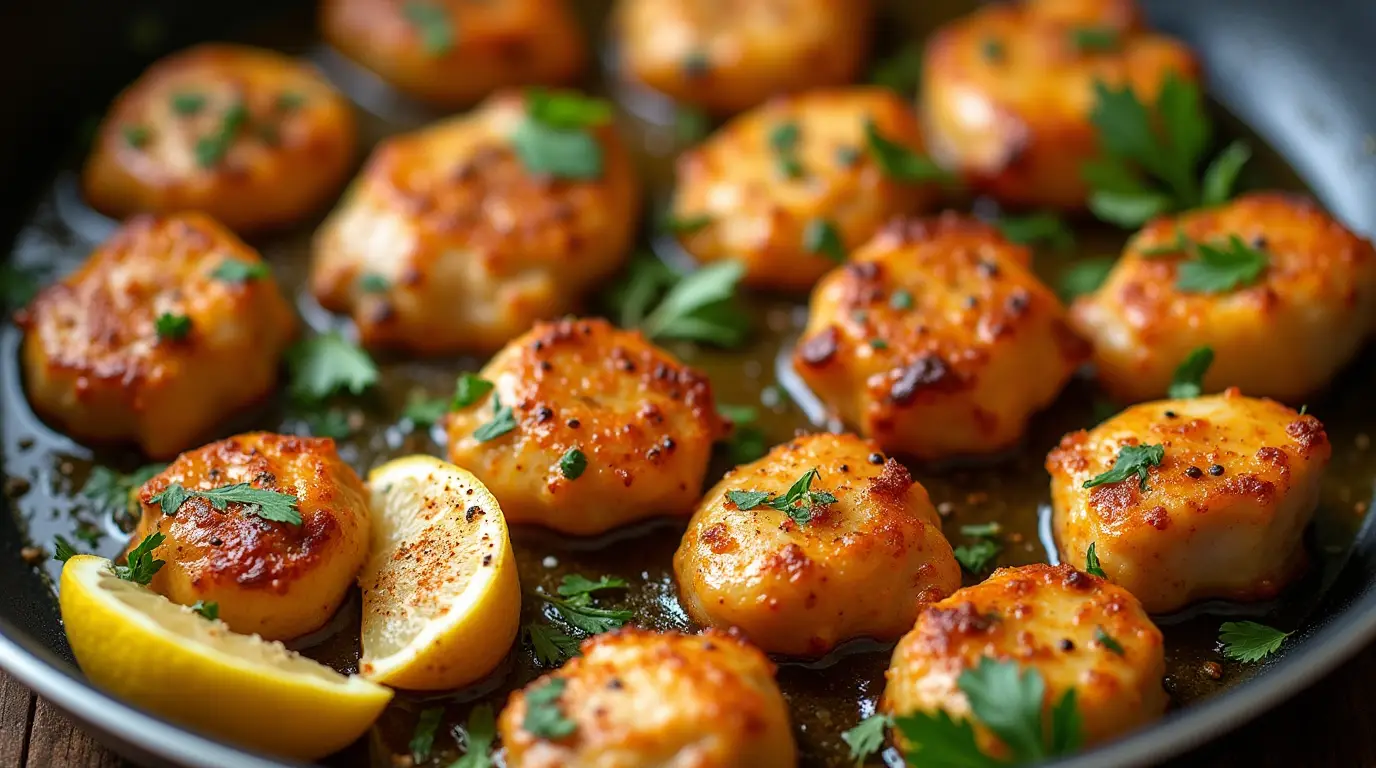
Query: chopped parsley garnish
x,y
469,389
690,124
113,491
783,140
374,283
847,156
579,613
208,611
901,300
821,238
899,162
172,327
1094,39
747,441
992,50
479,733
878,344
1249,641
1221,268
979,557
1102,637
1092,566
576,584
544,719
1151,156
136,136
1085,277
798,502
235,271
141,565
701,306
573,463
423,411
1037,228
551,646
1008,702
270,505
556,137
981,530
187,102
901,71
866,738
696,64
18,285
324,365
331,422
574,607
1132,460
431,22
212,148
1188,380
423,739
686,225
503,421
63,549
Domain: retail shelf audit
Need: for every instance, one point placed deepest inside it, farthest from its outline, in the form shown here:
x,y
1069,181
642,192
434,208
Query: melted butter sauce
x,y
825,696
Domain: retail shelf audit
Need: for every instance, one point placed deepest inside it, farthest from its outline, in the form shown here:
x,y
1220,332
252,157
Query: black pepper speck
x,y
1215,469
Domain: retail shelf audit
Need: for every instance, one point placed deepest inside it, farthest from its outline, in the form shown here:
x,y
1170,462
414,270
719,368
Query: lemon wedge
x,y
166,658
441,600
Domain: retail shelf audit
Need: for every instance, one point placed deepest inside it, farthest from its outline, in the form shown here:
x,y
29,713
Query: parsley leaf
x,y
172,327
141,565
580,614
212,148
1008,701
746,500
207,611
1188,380
1094,39
936,740
572,464
1221,268
901,71
136,136
551,646
503,421
423,740
469,389
690,124
700,307
1067,725
977,558
372,282
1037,228
555,137
187,102
113,491
479,733
866,738
1132,460
1092,566
798,502
1249,641
575,584
821,238
63,549
422,411
1102,637
981,530
323,365
270,505
901,300
899,162
1085,277
746,441
544,719
1222,173
332,423
237,271
431,22
18,285
634,294
783,140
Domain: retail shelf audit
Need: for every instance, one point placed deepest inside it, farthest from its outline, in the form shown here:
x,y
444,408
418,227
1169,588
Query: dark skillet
x,y
1295,76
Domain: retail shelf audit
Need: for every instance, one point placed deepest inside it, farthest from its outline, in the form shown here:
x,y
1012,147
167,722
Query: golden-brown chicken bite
x,y
455,52
171,325
1304,311
771,186
801,580
587,427
276,579
635,699
726,56
1220,514
937,340
1075,630
252,137
1007,91
449,243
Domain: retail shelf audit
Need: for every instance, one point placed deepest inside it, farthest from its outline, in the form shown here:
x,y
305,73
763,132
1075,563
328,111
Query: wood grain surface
x,y
1330,725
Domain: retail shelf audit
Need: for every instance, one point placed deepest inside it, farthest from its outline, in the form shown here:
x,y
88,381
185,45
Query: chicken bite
x,y
1226,488
453,52
451,242
1075,630
937,340
587,427
1302,306
1007,91
276,579
729,55
802,579
254,138
636,698
171,325
792,186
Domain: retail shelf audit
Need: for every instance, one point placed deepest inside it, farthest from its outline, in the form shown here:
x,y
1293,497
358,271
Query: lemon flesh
x,y
441,599
167,659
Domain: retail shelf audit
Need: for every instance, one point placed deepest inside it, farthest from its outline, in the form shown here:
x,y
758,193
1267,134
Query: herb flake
x,y
1188,380
544,719
268,504
1132,460
1249,641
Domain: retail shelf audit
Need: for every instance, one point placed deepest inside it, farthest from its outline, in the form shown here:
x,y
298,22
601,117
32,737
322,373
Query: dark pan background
x,y
1299,72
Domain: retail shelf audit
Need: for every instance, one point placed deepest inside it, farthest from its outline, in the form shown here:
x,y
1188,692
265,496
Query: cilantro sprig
x,y
556,136
1188,380
1132,460
799,502
270,505
1249,641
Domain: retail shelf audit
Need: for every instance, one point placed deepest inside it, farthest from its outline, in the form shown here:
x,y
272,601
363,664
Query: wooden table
x,y
1330,725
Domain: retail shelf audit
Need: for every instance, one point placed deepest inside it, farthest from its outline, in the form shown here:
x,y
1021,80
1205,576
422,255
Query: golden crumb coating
x,y
454,52
643,421
274,579
252,137
937,339
1007,91
726,56
96,366
1048,618
640,699
1222,516
446,243
860,567
1285,335
751,210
